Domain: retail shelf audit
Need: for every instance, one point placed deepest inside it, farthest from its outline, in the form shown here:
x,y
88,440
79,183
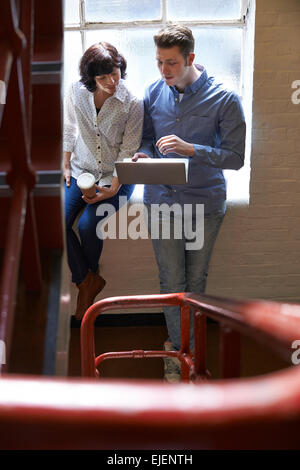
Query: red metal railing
x,y
15,72
90,413
89,362
265,321
20,29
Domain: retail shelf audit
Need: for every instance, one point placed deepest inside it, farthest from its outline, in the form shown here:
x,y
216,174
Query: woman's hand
x,y
67,176
67,167
138,155
102,194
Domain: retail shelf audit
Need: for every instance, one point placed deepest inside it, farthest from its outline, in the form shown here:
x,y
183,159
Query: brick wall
x,y
257,254
258,251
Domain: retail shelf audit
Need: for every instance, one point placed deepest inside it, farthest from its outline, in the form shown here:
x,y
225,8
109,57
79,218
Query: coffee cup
x,y
86,182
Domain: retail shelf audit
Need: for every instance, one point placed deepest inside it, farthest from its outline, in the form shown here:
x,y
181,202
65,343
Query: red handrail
x,y
250,413
20,176
88,359
275,324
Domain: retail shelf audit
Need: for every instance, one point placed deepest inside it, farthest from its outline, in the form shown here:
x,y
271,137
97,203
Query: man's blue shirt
x,y
212,119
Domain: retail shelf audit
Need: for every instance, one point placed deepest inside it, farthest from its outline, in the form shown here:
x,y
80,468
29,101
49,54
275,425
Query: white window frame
x,y
84,26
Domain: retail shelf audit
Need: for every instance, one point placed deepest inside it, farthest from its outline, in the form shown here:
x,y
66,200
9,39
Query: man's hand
x,y
173,144
138,155
103,193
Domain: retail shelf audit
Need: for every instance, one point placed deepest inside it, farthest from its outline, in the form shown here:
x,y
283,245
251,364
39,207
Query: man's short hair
x,y
176,35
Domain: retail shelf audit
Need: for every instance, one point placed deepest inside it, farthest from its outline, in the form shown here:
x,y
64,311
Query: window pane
x,y
203,9
219,50
72,55
122,10
137,46
71,12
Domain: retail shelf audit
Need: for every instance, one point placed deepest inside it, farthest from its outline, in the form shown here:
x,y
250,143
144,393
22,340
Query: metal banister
x,y
250,413
274,324
21,23
256,413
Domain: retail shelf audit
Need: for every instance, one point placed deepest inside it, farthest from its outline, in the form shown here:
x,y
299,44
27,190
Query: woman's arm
x,y
104,193
67,167
69,134
133,131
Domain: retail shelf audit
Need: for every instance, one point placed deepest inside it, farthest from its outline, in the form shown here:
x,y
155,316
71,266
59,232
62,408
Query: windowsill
x,y
237,188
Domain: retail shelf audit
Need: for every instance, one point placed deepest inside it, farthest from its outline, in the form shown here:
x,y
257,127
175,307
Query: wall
x,y
257,253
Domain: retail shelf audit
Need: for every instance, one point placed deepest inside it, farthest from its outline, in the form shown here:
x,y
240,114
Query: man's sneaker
x,y
172,366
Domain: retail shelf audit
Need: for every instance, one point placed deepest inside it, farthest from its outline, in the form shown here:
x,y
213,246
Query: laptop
x,y
153,171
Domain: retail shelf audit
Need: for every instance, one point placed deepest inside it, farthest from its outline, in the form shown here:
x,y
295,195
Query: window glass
x,y
138,50
72,55
219,50
122,10
203,9
71,12
217,47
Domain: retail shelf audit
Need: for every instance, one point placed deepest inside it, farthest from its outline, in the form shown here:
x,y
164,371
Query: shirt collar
x,y
194,87
121,91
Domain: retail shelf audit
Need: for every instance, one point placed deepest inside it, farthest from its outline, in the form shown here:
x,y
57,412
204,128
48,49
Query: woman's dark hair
x,y
100,59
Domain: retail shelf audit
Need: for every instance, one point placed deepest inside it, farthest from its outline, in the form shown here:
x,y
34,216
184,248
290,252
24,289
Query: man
x,y
186,114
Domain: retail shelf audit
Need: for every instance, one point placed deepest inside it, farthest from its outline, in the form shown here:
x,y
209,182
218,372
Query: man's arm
x,y
229,154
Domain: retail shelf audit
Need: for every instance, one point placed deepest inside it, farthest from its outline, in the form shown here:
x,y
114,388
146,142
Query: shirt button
x,y
98,147
177,119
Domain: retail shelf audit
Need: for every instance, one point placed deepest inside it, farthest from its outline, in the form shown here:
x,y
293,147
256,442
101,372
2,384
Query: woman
x,y
102,124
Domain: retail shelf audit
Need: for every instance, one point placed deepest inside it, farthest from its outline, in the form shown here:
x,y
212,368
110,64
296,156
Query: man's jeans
x,y
182,270
84,254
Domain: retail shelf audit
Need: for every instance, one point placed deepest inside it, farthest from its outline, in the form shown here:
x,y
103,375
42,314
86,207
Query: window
x,y
221,28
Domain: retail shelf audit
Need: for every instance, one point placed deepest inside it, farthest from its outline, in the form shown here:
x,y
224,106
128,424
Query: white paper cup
x,y
86,182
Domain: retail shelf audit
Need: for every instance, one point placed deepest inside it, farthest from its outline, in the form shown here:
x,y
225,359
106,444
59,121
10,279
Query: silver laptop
x,y
153,171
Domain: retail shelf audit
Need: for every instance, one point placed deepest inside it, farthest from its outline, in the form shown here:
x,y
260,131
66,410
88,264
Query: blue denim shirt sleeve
x,y
230,150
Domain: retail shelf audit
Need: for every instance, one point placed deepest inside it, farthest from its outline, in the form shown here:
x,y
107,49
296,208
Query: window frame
x,y
84,25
